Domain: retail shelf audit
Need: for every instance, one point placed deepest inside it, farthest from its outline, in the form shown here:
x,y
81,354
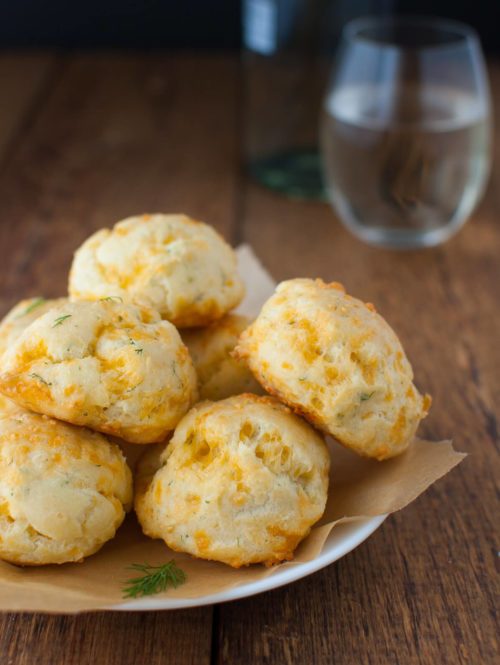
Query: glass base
x,y
404,239
400,241
296,173
393,237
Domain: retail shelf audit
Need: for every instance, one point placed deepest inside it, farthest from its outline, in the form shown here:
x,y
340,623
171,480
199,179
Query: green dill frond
x,y
60,320
111,298
153,579
134,343
41,379
36,303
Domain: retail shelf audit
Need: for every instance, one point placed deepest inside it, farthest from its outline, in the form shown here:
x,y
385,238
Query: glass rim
x,y
463,32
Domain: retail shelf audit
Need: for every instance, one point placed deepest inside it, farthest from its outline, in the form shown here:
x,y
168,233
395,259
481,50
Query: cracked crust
x,y
219,374
21,316
335,361
63,490
113,367
242,481
180,267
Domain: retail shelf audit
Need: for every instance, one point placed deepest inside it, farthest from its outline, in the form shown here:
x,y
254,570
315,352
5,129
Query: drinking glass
x,y
406,130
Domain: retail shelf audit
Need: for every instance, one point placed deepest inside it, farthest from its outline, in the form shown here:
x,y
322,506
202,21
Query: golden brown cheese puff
x,y
242,481
180,267
337,362
64,490
131,451
21,316
113,367
219,374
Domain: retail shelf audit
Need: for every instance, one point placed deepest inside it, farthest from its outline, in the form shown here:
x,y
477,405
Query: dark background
x,y
200,24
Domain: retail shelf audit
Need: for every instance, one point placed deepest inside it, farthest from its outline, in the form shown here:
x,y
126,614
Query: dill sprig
x,y
36,303
41,379
111,298
60,320
134,343
154,579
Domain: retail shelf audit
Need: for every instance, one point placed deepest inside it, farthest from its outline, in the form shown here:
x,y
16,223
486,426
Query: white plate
x,y
341,540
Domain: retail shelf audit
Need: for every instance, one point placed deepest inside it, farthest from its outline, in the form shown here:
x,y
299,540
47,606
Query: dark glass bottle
x,y
288,49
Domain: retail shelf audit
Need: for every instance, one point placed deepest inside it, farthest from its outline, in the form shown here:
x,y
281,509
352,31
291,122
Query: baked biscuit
x,y
131,451
20,317
338,363
180,267
219,374
64,490
113,367
242,481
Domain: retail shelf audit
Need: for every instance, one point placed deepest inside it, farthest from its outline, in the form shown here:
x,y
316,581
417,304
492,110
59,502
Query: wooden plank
x,y
424,588
115,638
118,135
23,77
158,132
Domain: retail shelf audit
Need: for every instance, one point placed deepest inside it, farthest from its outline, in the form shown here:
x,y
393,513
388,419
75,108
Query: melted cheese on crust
x,y
113,367
63,490
180,267
338,363
219,374
242,481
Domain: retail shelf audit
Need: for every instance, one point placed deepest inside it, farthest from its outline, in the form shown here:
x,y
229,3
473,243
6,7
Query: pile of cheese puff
x,y
143,336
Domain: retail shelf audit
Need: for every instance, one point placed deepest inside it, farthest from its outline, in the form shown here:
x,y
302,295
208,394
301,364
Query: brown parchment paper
x,y
359,488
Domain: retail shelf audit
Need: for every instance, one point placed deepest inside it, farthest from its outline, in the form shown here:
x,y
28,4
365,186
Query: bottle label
x,y
260,26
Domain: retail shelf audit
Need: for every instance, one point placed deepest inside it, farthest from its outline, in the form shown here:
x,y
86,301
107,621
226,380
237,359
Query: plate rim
x,y
333,550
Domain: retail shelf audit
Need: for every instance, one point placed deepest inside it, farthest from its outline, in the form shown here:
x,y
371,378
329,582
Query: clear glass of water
x,y
406,130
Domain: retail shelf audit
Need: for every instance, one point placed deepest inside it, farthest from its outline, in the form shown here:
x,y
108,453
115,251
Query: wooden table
x,y
88,139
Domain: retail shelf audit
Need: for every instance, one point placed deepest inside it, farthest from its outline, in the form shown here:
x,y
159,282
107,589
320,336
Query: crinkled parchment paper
x,y
359,488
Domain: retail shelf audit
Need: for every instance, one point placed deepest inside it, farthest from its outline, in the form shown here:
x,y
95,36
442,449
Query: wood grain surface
x,y
97,137
25,78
